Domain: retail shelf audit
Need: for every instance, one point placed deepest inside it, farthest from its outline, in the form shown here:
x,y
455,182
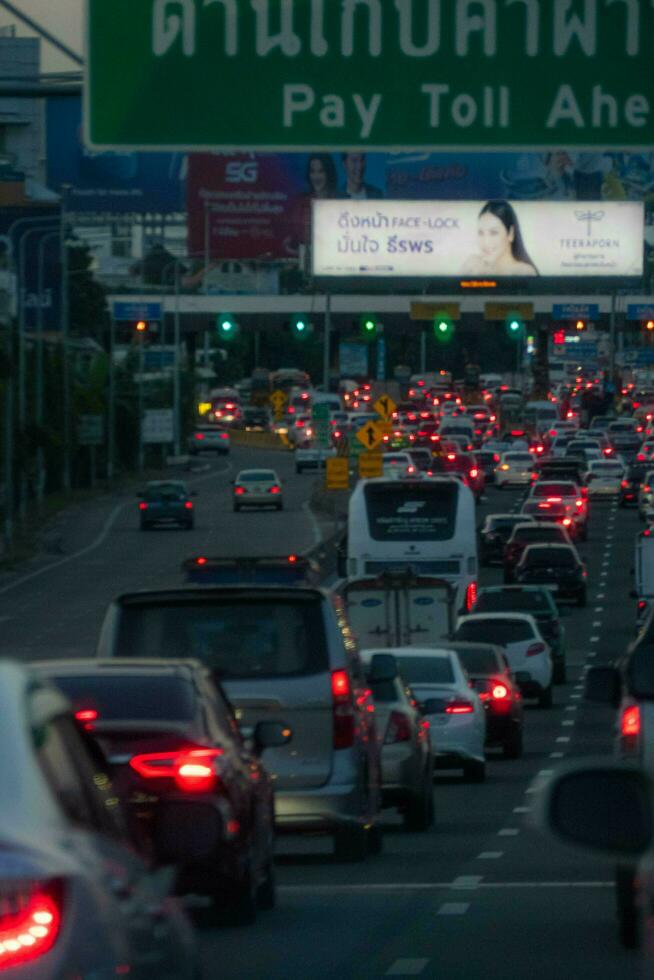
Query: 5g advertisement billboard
x,y
458,239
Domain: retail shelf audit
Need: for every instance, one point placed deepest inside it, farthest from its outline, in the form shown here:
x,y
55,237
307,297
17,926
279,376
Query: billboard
x,y
249,205
108,182
497,238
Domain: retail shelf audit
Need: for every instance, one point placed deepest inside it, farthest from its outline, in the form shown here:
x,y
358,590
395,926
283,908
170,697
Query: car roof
x,y
525,617
530,549
433,652
137,666
490,589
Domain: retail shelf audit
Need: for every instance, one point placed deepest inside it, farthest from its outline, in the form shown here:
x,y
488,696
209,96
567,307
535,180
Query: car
x,y
421,459
78,899
310,456
646,493
525,648
558,446
557,565
208,438
539,602
631,483
258,488
571,495
457,723
172,741
494,534
487,460
514,469
604,479
549,512
256,419
489,672
287,648
624,437
398,465
166,502
535,532
407,762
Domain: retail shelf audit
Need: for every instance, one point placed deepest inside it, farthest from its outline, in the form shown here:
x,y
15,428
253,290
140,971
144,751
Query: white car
x,y
646,495
604,477
457,724
76,898
258,488
514,469
527,652
558,446
310,456
398,466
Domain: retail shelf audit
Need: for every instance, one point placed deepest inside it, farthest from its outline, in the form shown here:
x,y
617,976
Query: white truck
x,y
644,572
398,609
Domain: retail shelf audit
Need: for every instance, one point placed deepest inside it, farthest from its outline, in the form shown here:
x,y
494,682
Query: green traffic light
x,y
514,326
443,328
227,326
369,325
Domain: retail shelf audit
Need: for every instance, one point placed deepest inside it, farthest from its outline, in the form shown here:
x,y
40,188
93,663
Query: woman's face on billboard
x,y
317,177
494,240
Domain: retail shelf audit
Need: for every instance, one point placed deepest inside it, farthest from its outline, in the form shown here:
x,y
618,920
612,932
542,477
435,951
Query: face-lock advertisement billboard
x,y
496,238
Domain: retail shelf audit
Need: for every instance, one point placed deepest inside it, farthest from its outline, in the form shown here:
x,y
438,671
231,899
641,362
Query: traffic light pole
x,y
111,421
423,351
177,400
326,364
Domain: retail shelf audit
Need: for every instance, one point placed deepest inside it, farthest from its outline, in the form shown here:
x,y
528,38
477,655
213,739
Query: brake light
x,y
474,473
192,769
579,504
398,730
30,922
343,710
459,707
471,595
274,489
143,505
500,691
451,456
201,560
188,504
630,721
647,489
535,649
86,717
199,436
496,458
223,435
239,490
554,500
642,605
567,521
624,484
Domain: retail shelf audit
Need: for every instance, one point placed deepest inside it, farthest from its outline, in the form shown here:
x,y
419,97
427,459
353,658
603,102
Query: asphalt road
x,y
482,894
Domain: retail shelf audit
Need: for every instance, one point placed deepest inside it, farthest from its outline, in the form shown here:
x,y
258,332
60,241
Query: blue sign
x,y
640,311
108,182
575,311
583,351
644,355
137,311
353,360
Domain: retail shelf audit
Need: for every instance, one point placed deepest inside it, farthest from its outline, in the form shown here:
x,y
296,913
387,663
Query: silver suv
x,y
281,654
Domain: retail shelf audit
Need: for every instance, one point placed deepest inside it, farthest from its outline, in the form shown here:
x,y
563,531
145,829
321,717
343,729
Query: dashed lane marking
x,y
522,809
557,755
490,855
567,723
407,968
467,882
508,832
454,908
563,738
395,887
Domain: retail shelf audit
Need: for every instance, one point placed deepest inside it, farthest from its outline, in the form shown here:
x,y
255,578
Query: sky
x,y
62,17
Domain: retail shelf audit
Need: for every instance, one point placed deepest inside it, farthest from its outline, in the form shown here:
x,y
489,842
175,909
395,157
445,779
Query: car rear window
x,y
426,670
496,631
479,661
420,512
515,600
494,522
238,637
130,697
550,556
538,532
257,476
165,492
518,458
554,490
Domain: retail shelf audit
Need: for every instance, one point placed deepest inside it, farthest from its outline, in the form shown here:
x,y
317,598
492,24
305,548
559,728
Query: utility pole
x,y
327,342
65,326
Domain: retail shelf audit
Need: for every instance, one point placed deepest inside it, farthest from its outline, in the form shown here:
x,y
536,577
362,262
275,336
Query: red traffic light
x,y
649,325
559,337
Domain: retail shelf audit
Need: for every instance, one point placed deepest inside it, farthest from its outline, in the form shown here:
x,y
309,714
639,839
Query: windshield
x,y
514,600
426,670
549,556
131,697
498,631
554,490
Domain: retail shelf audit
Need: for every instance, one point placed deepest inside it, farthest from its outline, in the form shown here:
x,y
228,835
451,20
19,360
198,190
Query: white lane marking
x,y
557,755
522,809
467,882
453,908
592,653
571,707
597,623
406,968
313,521
576,697
601,595
598,609
546,772
578,687
594,639
101,538
508,832
490,855
5,619
395,887
568,723
563,738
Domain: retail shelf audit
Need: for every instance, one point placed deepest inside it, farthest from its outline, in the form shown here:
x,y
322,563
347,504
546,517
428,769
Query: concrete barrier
x,y
257,440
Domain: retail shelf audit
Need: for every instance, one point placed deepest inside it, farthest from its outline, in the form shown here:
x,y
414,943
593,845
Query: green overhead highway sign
x,y
368,74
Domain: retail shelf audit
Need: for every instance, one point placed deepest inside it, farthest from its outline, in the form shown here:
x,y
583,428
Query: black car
x,y
256,419
166,502
487,461
538,532
171,738
493,535
561,469
537,601
557,565
630,485
491,678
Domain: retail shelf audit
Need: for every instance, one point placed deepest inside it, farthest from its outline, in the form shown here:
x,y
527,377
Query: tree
x,y
88,314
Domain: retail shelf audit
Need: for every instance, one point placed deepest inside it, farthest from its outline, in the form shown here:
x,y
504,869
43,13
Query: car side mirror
x,y
604,808
184,834
603,685
270,735
383,667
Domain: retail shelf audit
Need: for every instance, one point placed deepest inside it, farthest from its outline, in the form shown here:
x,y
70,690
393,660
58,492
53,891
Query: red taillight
x,y
624,484
199,435
274,489
535,649
398,730
471,595
630,721
500,691
459,707
30,922
642,605
192,769
343,710
201,561
579,504
292,559
647,489
143,505
239,490
496,458
474,473
566,522
223,435
554,500
188,504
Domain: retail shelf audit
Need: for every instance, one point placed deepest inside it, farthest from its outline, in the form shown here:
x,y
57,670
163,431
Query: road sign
x,y
499,311
640,311
642,355
575,311
191,75
370,465
136,311
158,426
278,400
370,435
429,311
90,430
337,473
385,406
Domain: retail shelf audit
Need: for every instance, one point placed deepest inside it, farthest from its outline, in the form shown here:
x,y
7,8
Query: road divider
x,y
258,440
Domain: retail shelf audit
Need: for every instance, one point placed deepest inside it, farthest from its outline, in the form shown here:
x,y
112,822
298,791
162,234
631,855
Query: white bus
x,y
425,525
